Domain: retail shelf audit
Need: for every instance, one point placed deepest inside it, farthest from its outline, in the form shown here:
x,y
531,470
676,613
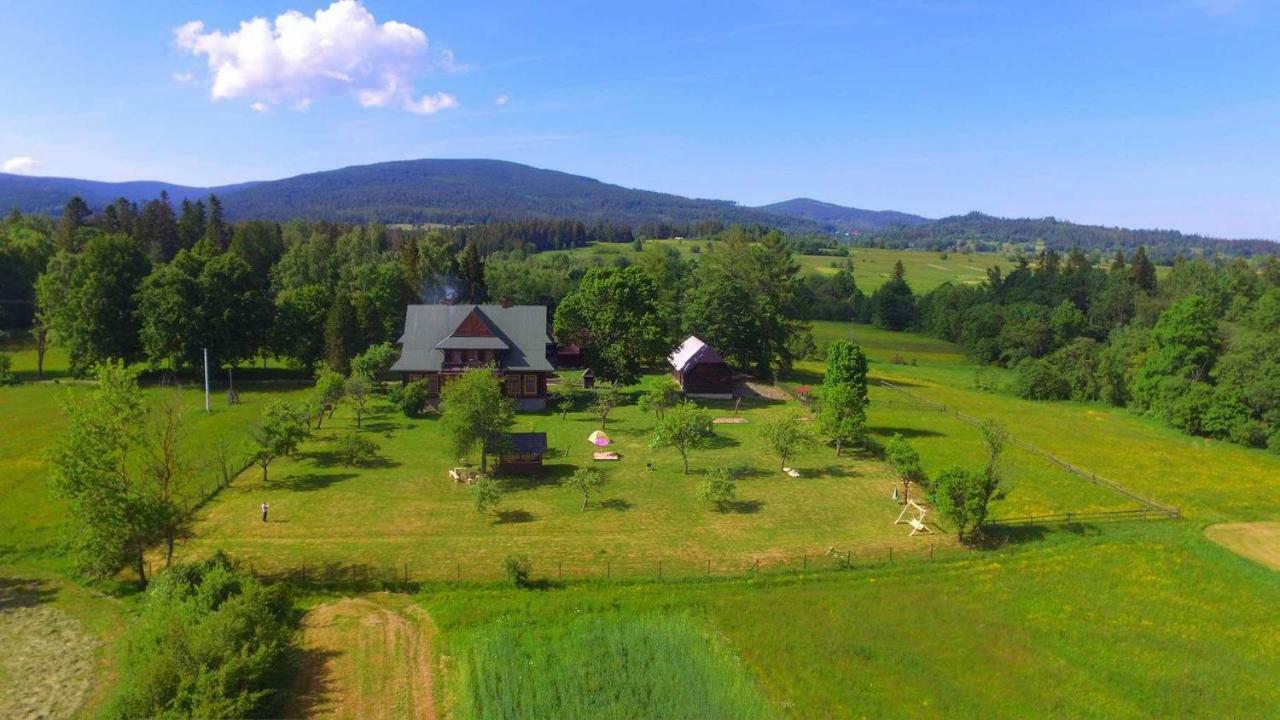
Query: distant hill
x,y
1163,245
47,195
415,191
841,218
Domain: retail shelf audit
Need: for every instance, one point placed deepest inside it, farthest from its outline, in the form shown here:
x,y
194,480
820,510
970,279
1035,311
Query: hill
x,y
47,195
415,191
842,218
1162,245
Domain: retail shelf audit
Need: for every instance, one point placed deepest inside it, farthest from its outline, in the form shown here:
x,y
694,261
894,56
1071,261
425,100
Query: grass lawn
x,y
1097,625
406,509
1211,481
871,266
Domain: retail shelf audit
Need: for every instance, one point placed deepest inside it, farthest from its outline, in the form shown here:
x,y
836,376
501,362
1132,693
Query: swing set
x,y
917,523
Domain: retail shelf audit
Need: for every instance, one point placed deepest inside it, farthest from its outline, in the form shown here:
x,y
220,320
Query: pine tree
x,y
341,335
216,230
1117,263
471,272
191,224
156,231
1144,272
74,213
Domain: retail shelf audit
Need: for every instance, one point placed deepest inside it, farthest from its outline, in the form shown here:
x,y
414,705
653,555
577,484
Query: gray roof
x,y
523,328
472,343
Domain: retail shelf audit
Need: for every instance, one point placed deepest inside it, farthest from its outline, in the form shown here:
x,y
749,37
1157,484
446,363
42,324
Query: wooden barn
x,y
700,371
523,454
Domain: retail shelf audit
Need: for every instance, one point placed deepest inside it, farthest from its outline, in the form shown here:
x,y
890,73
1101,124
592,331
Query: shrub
x,y
353,449
718,488
1273,442
412,398
211,642
6,371
517,569
1039,380
961,495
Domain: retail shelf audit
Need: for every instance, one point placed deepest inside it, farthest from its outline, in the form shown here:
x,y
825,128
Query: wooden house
x,y
442,341
700,371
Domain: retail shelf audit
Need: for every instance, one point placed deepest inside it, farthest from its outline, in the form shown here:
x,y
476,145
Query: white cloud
x,y
501,100
22,164
183,78
296,59
259,107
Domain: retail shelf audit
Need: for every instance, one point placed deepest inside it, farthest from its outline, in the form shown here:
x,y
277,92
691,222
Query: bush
x,y
211,642
517,569
1273,442
1039,380
717,487
353,449
7,377
412,398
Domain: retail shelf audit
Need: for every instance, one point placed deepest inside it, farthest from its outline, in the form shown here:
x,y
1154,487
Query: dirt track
x,y
365,658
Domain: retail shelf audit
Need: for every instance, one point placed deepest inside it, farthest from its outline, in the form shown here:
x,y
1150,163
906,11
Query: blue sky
x,y
1144,114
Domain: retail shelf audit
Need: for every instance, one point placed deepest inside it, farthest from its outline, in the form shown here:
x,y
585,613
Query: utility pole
x,y
206,381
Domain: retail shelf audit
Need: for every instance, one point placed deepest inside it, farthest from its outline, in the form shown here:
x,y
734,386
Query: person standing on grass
x,y
265,507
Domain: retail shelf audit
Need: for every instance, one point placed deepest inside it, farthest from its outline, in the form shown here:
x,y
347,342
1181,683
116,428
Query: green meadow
x,y
871,266
1126,621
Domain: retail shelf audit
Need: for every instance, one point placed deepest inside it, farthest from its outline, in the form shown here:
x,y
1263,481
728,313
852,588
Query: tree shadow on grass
x,y
904,432
718,441
512,517
997,536
743,507
314,683
751,472
838,471
24,592
616,504
329,458
309,481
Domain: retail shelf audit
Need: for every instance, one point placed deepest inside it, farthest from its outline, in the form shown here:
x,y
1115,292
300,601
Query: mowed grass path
x,y
1142,620
407,510
1211,481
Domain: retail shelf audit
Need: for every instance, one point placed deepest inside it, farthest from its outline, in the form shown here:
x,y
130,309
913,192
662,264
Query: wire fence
x,y
1149,506
551,570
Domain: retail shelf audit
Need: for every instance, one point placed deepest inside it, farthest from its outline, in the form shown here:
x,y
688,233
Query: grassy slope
x,y
1212,481
1094,626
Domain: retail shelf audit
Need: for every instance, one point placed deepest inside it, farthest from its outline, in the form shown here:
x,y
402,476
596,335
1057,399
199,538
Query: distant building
x,y
442,341
700,370
569,357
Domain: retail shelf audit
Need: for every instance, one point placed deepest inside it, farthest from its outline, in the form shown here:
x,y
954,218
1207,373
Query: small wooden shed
x,y
523,454
700,371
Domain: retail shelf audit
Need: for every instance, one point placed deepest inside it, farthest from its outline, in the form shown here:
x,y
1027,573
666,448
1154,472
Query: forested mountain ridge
x,y
989,232
473,192
444,191
843,218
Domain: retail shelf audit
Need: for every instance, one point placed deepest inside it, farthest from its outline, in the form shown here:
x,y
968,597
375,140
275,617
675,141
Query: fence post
x,y
848,558
304,572
560,570
931,552
708,568
406,572
804,564
457,568
608,569
891,554
659,569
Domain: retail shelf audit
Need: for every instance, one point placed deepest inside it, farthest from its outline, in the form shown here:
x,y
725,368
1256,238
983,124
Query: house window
x,y
530,384
512,385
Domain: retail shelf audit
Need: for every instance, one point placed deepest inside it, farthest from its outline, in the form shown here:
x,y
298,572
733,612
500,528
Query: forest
x,y
1198,348
985,232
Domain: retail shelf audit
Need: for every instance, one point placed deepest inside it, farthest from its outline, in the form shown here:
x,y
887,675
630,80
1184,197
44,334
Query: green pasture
x,y
1108,614
1211,481
871,266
